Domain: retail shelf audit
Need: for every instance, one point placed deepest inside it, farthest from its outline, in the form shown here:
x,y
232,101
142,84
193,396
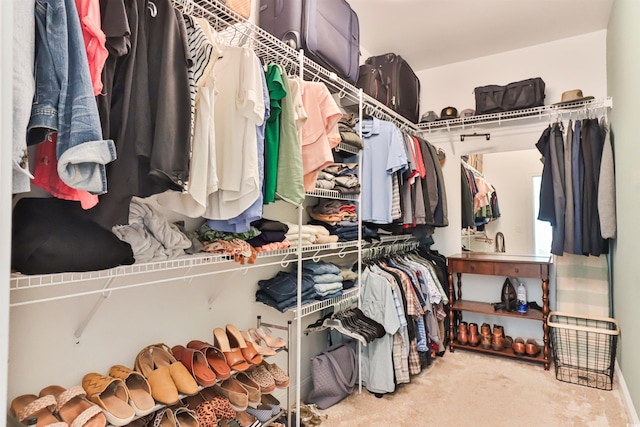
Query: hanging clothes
x,y
571,183
320,132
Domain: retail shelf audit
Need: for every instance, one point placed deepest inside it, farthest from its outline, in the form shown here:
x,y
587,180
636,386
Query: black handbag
x,y
514,96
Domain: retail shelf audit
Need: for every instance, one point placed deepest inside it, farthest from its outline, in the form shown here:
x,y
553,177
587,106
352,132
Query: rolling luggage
x,y
403,84
372,83
327,30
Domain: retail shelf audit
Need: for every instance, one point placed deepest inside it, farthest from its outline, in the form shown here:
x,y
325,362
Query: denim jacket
x,y
64,101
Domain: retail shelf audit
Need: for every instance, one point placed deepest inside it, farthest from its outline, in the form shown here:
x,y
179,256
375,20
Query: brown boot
x,y
497,342
462,333
485,336
474,337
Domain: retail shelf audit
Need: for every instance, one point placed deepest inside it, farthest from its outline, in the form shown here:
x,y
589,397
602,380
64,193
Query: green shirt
x,y
277,92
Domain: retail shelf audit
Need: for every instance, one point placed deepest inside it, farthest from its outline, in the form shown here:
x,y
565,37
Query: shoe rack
x,y
498,264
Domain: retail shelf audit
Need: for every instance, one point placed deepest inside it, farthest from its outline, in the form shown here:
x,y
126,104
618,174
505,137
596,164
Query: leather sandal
x,y
140,397
185,417
260,334
234,357
196,363
264,351
247,349
184,381
215,358
111,395
29,406
73,408
164,418
163,389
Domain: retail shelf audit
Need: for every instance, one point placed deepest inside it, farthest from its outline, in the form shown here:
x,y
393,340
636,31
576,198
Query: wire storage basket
x,y
584,349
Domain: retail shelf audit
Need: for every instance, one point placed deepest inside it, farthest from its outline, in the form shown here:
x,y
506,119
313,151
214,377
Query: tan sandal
x,y
73,408
29,406
260,334
233,356
163,389
140,397
264,351
111,395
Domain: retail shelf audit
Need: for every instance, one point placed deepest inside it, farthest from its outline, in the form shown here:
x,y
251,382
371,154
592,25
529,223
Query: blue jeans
x,y
64,100
320,267
284,286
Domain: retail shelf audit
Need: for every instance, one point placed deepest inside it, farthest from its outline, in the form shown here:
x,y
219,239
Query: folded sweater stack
x,y
340,177
311,234
338,217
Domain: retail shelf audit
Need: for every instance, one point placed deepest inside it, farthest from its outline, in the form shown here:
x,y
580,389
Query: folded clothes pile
x,y
348,133
310,234
272,235
281,291
338,217
326,278
232,244
341,177
151,236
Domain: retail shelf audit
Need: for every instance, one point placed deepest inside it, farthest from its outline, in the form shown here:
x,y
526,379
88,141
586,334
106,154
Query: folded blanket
x,y
306,229
305,242
293,237
347,274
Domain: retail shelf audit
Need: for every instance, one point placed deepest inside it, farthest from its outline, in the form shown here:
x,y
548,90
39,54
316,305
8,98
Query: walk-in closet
x,y
303,212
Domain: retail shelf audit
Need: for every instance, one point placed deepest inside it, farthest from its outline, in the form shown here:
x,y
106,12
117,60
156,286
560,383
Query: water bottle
x,y
522,298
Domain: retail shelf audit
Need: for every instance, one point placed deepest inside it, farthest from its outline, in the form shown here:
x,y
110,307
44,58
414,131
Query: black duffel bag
x,y
514,96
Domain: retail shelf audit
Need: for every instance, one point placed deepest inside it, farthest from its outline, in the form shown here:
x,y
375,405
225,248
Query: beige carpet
x,y
471,389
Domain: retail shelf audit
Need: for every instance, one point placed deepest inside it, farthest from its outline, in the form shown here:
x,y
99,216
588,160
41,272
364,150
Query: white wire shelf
x,y
332,194
305,310
237,31
546,112
347,148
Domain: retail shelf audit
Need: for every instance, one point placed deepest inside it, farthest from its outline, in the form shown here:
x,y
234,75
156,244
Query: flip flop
x,y
73,407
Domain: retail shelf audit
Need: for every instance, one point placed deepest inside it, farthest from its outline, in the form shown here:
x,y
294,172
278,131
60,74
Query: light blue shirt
x,y
383,154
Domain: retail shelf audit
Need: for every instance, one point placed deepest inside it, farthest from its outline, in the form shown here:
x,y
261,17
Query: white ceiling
x,y
430,33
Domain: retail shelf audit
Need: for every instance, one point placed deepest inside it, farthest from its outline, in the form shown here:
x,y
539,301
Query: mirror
x,y
512,175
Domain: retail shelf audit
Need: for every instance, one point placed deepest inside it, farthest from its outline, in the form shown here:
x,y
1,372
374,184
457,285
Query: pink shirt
x,y
94,40
320,131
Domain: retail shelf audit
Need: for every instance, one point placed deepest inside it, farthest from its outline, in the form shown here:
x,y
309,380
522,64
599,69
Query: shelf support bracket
x,y
83,325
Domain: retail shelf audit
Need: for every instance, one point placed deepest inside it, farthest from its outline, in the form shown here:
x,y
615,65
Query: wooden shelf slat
x,y
487,308
506,352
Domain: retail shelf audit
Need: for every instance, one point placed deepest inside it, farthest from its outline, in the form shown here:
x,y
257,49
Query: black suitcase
x,y
328,31
372,83
404,86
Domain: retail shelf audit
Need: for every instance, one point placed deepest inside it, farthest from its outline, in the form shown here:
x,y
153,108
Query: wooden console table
x,y
499,264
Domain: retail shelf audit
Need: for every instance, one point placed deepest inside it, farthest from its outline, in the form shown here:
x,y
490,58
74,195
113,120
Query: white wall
x,y
623,67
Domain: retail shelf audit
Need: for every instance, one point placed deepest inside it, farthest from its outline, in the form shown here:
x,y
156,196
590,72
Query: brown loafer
x,y
518,347
532,348
252,388
237,394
